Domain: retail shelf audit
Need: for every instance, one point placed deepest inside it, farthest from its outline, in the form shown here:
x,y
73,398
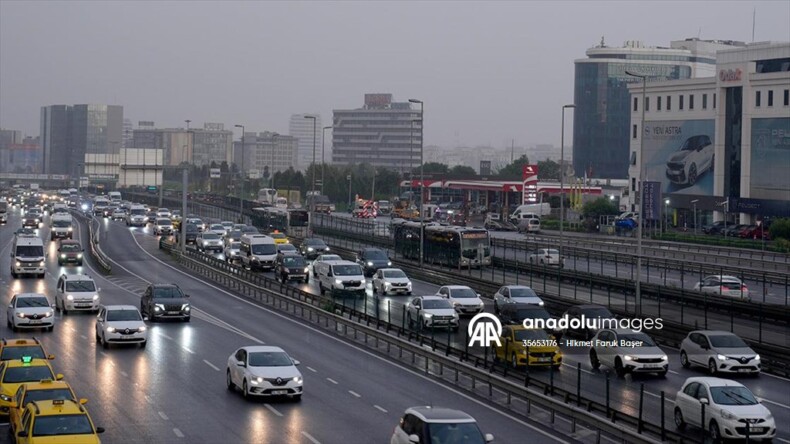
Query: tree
x,y
780,229
432,168
548,170
599,207
513,171
462,171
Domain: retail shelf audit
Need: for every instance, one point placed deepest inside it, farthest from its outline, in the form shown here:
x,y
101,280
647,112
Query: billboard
x,y
770,171
680,155
214,173
529,177
651,200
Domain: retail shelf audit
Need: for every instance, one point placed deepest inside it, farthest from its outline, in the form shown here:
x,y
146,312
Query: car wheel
x,y
321,288
618,368
409,322
306,279
104,343
712,367
713,429
680,424
594,362
229,381
684,359
514,361
244,391
692,179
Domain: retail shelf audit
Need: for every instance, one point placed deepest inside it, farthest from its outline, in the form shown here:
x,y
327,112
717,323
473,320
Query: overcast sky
x,y
487,71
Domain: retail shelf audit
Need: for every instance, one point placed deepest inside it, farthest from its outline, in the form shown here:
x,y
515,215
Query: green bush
x,y
780,229
781,246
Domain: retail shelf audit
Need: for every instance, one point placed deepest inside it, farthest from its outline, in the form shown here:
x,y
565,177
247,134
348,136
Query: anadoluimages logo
x,y
484,333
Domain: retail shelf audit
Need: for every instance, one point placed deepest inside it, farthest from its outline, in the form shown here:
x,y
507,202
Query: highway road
x,y
174,390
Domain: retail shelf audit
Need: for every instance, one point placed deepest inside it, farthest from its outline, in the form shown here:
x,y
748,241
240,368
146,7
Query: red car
x,y
755,232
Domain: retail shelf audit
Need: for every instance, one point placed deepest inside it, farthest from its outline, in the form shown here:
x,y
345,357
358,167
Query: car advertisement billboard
x,y
679,155
770,171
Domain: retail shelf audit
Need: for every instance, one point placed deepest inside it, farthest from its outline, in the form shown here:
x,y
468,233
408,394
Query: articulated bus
x,y
292,222
444,244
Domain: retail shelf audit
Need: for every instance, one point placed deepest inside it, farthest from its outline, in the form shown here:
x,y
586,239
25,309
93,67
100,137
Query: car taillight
x,y
743,288
724,288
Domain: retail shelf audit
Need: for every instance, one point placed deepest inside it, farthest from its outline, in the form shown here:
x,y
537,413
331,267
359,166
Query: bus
x,y
292,222
453,246
267,196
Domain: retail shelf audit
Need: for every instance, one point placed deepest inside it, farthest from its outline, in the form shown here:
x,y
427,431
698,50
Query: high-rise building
x,y
128,133
212,143
265,153
301,129
602,115
199,146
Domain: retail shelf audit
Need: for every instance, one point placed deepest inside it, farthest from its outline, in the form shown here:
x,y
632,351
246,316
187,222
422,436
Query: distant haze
x,y
488,72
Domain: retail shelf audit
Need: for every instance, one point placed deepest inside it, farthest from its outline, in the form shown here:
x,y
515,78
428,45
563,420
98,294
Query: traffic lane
x,y
370,385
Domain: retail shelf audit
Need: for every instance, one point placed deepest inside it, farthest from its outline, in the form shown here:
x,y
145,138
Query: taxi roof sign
x,y
26,359
57,402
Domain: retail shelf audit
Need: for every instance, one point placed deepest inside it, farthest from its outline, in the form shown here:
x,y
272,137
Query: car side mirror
x,y
51,305
704,401
186,295
83,401
489,437
478,295
51,357
22,434
759,400
412,439
59,377
296,362
145,318
99,429
98,289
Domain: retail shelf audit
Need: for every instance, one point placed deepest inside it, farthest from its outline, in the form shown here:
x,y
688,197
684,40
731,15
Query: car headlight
x,y
69,297
5,397
456,303
110,329
326,249
769,416
185,307
628,358
62,255
79,255
20,315
257,380
95,297
727,415
159,307
721,357
481,304
141,329
408,285
389,264
18,264
48,314
756,357
310,249
370,264
297,379
428,315
664,357
41,264
71,229
338,281
306,269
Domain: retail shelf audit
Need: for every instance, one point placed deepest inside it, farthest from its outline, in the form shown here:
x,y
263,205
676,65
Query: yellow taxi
x,y
17,372
46,389
57,421
522,346
279,238
11,349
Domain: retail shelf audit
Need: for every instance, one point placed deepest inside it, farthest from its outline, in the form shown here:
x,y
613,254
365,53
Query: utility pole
x,y
184,185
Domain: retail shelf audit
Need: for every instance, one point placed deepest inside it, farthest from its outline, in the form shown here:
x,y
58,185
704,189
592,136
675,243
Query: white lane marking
x,y
311,369
776,403
777,377
355,394
331,380
124,374
163,416
574,367
147,398
188,349
178,433
273,410
378,407
165,336
84,337
666,398
783,440
310,438
359,349
211,365
674,372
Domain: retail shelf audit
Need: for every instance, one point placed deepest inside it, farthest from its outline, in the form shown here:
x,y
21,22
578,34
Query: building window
x,y
770,97
669,103
647,103
636,104
704,101
787,97
658,103
691,101
714,100
757,97
633,157
680,102
633,184
634,132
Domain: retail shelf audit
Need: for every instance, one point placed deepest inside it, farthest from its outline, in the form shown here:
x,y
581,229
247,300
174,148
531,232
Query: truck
x,y
34,187
321,202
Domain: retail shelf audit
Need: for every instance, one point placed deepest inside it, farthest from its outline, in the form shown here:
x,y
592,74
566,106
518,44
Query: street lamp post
x,y
348,178
422,178
184,185
666,213
562,174
271,168
694,207
323,162
312,186
640,219
241,177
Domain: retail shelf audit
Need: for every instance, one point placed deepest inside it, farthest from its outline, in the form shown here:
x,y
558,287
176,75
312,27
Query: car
x,y
197,222
733,230
430,312
11,349
465,300
279,238
340,278
521,346
546,256
691,160
61,226
25,232
135,216
118,214
208,241
228,225
70,251
291,266
515,294
249,229
238,227
431,424
109,210
44,390
312,247
190,237
165,301
31,220
120,324
232,251
163,226
723,285
594,314
714,228
150,217
391,281
264,370
371,259
515,314
57,420
16,372
30,310
217,229
718,351
77,292
234,235
163,212
286,248
627,351
730,407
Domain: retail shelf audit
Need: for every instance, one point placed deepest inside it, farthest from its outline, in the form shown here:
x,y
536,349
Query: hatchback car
x,y
515,294
371,259
120,324
264,370
30,310
723,285
627,351
291,267
231,251
437,425
70,252
718,351
391,281
465,300
431,312
546,256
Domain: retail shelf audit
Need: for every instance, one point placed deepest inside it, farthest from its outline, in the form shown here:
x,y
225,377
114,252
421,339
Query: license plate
x,y
544,359
753,429
279,392
173,312
83,305
35,321
743,370
652,366
128,338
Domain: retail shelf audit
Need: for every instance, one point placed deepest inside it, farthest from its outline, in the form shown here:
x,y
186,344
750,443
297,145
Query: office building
x,y
198,146
301,129
265,153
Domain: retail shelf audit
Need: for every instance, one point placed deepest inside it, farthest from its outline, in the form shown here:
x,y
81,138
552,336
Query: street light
x,y
271,168
640,221
694,206
562,175
241,177
323,140
422,177
312,186
666,213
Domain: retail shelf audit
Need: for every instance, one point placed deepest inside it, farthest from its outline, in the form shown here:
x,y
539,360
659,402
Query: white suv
x,y
77,292
437,424
627,351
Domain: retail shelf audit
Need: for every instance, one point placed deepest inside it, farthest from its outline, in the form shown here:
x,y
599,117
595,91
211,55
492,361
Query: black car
x,y
31,220
312,247
291,266
515,314
371,259
165,301
590,318
714,228
191,234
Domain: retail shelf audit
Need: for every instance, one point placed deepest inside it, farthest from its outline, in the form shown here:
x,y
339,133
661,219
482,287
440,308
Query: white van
x,y
61,226
115,196
136,216
257,252
529,211
27,257
340,277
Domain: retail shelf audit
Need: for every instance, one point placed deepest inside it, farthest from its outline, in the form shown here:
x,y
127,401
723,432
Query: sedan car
x,y
431,312
432,424
627,351
324,258
515,294
120,324
163,226
163,212
546,256
286,249
279,238
264,370
723,285
391,281
30,310
231,251
312,247
730,407
228,225
208,241
718,351
118,214
465,300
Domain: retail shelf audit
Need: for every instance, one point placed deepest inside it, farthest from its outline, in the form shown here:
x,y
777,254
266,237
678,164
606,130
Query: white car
x,y
120,324
431,312
431,424
217,229
464,299
718,351
323,258
30,310
691,160
264,370
231,251
286,248
391,281
730,407
723,285
515,294
546,256
163,226
208,241
227,225
163,212
627,351
76,292
118,214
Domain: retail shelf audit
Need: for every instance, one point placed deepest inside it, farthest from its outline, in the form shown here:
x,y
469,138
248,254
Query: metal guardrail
x,y
93,243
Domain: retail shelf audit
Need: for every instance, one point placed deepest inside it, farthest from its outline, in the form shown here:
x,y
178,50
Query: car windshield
x,y
262,249
47,395
277,235
56,425
168,292
80,286
727,341
137,212
235,234
294,261
522,335
212,236
462,433
70,248
522,293
27,374
330,257
32,302
235,245
123,315
164,222
375,255
692,143
436,303
463,293
315,243
393,274
29,251
218,227
286,247
61,223
732,396
249,230
637,339
34,351
347,270
530,313
549,251
600,312
269,359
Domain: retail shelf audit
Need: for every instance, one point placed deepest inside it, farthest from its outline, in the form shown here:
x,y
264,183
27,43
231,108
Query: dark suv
x,y
371,259
291,266
165,301
191,233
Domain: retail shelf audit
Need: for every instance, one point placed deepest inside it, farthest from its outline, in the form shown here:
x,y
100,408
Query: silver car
x,y
718,351
515,294
391,281
431,312
723,285
208,241
546,256
627,351
217,229
464,299
231,251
